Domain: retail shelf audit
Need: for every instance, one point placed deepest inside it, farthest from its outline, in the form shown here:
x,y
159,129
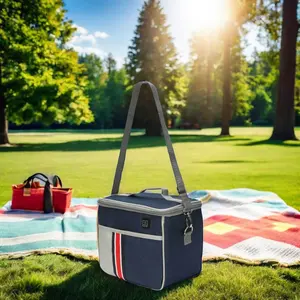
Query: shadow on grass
x,y
93,283
40,132
115,143
227,162
272,142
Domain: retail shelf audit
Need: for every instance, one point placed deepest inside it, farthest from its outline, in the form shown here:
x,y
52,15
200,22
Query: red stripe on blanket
x,y
81,206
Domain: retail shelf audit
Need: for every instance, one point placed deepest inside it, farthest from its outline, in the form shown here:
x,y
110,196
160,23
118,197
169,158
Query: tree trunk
x,y
148,113
153,128
285,110
226,107
3,121
209,87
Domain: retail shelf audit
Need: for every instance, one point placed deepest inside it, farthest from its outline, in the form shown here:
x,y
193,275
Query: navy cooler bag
x,y
150,239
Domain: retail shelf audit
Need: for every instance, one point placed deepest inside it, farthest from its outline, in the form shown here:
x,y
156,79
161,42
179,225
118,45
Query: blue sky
x,y
108,25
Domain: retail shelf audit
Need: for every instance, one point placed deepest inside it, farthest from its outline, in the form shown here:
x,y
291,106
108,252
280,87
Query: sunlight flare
x,y
205,14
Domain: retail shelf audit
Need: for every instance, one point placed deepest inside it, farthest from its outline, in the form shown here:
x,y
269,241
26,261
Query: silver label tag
x,y
187,238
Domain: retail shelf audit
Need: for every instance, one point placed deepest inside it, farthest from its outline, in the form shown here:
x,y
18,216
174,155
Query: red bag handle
x,y
53,180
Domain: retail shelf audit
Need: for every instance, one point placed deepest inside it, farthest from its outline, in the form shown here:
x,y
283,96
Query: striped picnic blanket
x,y
241,224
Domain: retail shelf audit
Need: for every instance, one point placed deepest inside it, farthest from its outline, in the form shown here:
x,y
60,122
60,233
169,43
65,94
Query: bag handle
x,y
53,179
49,180
164,191
186,202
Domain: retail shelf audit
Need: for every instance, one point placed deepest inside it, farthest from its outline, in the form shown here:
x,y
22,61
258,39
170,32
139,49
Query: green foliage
x,y
268,19
114,94
204,99
40,80
241,89
106,90
152,56
94,71
263,75
206,80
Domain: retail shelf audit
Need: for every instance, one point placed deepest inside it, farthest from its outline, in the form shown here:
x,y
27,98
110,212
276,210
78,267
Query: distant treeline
x,y
44,84
254,92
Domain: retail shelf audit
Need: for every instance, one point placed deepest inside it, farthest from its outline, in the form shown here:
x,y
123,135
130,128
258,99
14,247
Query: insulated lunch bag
x,y
146,238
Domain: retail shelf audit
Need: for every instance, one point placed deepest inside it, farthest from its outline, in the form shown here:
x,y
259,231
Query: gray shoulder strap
x,y
131,112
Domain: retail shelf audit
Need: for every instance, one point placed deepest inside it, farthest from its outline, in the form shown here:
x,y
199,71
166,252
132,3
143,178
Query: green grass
x,y
86,160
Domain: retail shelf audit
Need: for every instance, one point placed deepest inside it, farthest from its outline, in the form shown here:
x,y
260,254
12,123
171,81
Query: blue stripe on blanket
x,y
78,224
85,201
85,245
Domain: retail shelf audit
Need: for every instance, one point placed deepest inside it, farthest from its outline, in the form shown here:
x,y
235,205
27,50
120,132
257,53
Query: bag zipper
x,y
168,212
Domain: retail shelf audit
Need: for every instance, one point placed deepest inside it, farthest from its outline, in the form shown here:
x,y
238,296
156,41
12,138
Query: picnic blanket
x,y
242,224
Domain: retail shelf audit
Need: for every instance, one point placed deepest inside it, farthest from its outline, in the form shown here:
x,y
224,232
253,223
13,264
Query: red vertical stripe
x,y
118,256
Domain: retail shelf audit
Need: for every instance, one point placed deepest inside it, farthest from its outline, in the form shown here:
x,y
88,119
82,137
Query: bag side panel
x,y
61,199
182,262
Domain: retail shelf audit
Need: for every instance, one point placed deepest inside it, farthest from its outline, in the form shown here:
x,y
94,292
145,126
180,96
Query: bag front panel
x,y
131,256
142,261
182,261
32,200
129,221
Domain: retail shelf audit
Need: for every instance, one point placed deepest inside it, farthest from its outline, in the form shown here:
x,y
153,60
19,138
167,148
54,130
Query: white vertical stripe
x,y
105,250
163,252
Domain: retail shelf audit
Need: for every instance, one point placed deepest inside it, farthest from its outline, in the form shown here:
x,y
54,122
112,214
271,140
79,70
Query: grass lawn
x,y
86,160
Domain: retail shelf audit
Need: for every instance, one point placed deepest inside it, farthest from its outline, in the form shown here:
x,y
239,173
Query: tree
x,y
242,95
263,78
285,110
152,56
95,73
114,93
40,80
204,64
106,90
297,89
238,12
93,69
207,63
227,100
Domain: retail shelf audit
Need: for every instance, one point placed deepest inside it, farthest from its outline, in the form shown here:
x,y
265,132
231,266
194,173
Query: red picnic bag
x,y
48,198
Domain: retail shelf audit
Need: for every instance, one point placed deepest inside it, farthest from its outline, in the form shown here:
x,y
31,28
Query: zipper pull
x,y
187,235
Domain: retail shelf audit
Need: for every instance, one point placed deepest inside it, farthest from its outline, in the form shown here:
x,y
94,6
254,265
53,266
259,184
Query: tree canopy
x,y
40,80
